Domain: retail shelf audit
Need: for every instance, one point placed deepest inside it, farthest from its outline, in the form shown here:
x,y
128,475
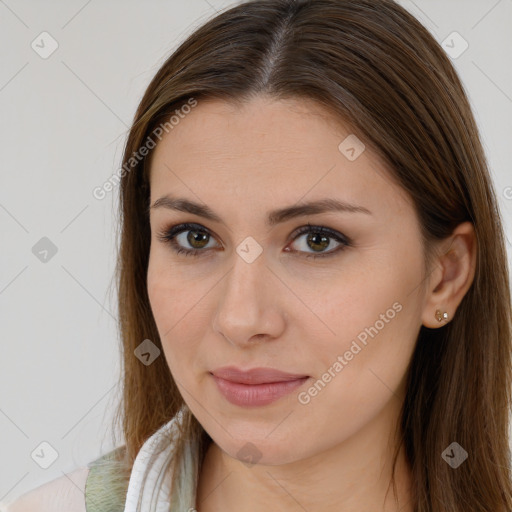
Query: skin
x,y
290,312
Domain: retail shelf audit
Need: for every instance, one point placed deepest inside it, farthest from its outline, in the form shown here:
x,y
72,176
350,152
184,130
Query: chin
x,y
260,450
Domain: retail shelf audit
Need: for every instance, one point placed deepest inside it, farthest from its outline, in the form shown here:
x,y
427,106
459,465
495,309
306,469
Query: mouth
x,y
257,386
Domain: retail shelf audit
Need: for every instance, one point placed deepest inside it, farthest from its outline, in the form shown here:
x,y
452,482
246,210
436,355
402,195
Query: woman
x,y
313,288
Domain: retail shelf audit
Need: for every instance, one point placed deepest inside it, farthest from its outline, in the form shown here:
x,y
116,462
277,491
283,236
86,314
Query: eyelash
x,y
168,235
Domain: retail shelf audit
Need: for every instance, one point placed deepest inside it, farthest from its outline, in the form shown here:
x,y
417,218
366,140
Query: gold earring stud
x,y
441,316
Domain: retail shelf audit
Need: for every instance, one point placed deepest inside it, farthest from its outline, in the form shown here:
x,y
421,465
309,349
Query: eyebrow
x,y
274,217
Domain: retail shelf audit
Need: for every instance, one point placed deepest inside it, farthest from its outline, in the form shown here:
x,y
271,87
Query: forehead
x,y
265,151
252,129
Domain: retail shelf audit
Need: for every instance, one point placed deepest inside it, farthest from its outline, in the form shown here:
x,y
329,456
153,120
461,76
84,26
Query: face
x,y
331,297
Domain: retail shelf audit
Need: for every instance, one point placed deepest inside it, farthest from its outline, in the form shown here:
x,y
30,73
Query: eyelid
x,y
340,237
169,234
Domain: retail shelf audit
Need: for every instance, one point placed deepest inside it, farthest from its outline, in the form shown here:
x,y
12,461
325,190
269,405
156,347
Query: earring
x,y
441,316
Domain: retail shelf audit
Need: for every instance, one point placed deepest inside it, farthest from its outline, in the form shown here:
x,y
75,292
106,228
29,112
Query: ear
x,y
454,270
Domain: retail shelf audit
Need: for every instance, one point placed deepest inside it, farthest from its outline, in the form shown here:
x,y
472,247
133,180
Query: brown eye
x,y
318,240
197,239
188,239
194,240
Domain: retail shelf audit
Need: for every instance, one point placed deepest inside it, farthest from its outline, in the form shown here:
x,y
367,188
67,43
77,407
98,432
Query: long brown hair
x,y
373,65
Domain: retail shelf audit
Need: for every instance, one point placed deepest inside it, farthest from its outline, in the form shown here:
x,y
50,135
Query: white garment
x,y
155,494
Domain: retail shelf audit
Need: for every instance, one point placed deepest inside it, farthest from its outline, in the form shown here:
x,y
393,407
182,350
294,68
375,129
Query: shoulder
x,y
64,494
99,486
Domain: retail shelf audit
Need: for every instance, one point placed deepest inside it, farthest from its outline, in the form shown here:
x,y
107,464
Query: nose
x,y
249,308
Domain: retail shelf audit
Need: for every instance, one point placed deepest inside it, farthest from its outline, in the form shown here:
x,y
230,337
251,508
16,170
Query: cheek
x,y
168,291
160,293
179,315
371,324
375,336
360,374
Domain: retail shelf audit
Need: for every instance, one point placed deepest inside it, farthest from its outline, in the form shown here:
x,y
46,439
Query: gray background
x,y
63,125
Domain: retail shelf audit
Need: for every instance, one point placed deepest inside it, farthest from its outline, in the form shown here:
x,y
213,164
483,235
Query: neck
x,y
352,476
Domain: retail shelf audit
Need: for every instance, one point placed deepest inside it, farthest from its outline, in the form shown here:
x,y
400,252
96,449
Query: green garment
x,y
105,488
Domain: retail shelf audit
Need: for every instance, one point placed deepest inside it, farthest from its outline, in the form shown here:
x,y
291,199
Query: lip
x,y
255,375
256,386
